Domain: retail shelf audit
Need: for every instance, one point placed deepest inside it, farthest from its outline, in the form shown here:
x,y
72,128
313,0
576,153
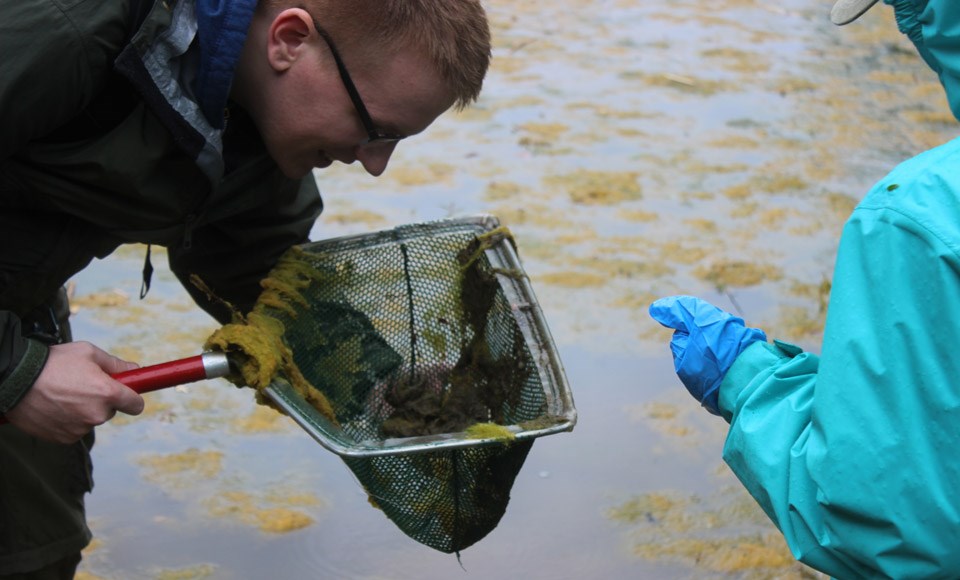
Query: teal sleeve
x,y
854,454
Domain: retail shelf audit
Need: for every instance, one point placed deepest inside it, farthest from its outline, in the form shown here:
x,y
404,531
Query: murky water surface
x,y
636,149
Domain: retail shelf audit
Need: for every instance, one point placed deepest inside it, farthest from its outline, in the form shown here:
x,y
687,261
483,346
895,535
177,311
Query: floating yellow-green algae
x,y
356,216
726,274
735,142
840,204
571,279
255,341
663,417
636,301
605,111
276,519
773,218
182,469
732,538
737,554
684,83
773,181
590,187
797,323
702,225
260,420
99,300
502,190
744,210
638,215
736,60
544,131
819,291
192,573
543,137
613,267
425,174
536,214
682,252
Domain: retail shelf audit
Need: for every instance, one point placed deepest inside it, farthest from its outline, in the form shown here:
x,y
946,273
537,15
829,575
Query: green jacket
x,y
853,454
108,138
103,144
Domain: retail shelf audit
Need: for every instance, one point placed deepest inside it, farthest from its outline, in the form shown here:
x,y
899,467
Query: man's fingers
x,y
111,364
127,400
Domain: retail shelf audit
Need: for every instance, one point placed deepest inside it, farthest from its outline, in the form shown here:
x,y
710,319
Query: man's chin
x,y
296,172
324,163
301,170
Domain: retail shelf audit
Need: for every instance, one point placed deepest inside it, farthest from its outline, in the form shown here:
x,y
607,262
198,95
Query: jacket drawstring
x,y
147,274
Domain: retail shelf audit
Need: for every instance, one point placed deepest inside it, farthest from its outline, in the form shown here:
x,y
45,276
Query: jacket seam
x,y
84,45
919,224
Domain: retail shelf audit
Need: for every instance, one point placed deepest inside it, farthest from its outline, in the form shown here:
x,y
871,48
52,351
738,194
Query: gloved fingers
x,y
686,312
711,399
678,346
668,312
705,343
697,368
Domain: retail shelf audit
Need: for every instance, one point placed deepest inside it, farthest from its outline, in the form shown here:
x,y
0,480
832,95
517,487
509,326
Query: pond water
x,y
636,150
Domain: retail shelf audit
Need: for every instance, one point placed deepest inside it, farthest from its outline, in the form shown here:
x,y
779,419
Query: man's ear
x,y
289,36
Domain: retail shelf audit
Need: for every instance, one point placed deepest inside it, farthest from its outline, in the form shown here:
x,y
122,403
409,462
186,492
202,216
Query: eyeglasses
x,y
374,135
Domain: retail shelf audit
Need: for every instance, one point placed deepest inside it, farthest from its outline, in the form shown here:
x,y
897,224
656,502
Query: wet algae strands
x,y
256,341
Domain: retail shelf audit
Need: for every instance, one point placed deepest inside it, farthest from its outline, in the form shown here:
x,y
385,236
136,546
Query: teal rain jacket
x,y
855,454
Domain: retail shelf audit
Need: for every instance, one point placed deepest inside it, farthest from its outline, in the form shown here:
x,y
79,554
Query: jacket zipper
x,y
188,227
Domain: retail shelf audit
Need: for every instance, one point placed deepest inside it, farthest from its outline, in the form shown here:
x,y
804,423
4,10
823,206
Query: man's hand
x,y
705,343
74,393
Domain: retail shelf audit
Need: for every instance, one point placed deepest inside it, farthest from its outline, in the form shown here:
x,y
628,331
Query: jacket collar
x,y
182,61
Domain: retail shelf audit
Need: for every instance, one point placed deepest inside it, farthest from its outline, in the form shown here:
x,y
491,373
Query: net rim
x,y
561,415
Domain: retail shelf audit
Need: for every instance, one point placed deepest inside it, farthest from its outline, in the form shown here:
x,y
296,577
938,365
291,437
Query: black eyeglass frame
x,y
374,135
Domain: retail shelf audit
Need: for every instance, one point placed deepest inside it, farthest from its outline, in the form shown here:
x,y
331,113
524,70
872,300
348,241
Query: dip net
x,y
420,356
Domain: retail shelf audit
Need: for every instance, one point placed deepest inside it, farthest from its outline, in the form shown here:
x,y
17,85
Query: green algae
x,y
489,431
602,188
738,274
255,341
731,538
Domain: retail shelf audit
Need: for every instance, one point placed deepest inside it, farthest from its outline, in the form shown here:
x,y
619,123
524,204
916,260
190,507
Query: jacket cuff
x,y
755,359
24,374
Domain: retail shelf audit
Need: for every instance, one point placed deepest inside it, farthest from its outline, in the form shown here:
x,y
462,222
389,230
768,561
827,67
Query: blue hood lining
x,y
221,32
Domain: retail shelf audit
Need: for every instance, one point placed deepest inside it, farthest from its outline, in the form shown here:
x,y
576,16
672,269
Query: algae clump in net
x,y
255,341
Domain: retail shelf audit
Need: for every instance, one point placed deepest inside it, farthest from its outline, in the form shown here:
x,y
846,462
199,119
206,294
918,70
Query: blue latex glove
x,y
705,343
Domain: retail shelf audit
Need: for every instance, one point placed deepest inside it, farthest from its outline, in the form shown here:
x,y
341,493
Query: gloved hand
x,y
705,343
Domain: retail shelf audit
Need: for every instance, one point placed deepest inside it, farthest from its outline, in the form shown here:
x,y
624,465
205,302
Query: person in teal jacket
x,y
854,453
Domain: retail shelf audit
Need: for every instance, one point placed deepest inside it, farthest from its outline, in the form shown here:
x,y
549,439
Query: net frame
x,y
560,412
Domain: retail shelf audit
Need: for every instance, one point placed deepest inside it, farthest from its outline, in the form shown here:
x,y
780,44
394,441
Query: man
x,y
195,125
853,454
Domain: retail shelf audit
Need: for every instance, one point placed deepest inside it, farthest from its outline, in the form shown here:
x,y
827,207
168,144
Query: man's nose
x,y
375,156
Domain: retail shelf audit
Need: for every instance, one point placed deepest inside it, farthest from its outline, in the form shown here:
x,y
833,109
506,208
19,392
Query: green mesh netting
x,y
437,384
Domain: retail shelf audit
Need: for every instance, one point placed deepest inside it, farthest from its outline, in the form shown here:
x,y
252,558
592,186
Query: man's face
x,y
308,119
